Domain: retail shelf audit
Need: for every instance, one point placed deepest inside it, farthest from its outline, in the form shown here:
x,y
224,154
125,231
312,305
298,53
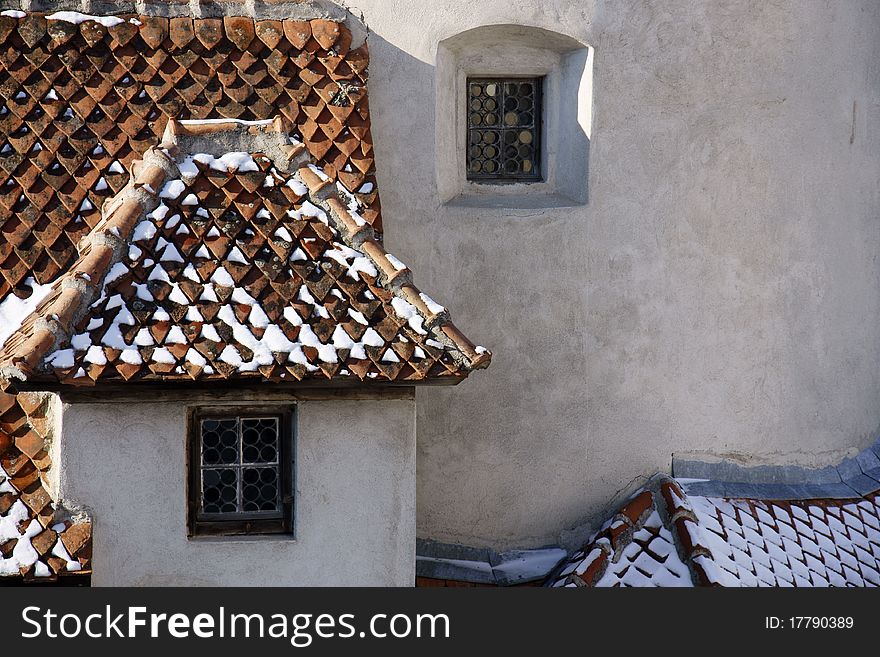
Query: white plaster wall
x,y
355,498
719,291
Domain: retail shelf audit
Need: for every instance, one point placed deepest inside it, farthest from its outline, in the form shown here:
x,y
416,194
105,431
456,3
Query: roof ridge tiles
x,y
720,541
53,320
105,246
664,497
359,235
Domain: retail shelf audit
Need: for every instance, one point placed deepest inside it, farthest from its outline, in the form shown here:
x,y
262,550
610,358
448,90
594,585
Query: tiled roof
x,y
665,537
82,101
805,543
38,539
234,266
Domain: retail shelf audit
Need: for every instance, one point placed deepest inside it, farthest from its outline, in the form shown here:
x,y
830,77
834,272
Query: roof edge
x,y
357,234
461,563
294,10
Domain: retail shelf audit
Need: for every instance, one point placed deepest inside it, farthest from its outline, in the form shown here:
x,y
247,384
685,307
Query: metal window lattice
x,y
240,467
504,129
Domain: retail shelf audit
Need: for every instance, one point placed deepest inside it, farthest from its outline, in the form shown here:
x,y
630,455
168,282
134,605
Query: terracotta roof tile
x,y
33,532
81,103
628,554
233,266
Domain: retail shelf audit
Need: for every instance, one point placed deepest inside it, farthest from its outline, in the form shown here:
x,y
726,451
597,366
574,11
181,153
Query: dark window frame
x,y
240,524
535,128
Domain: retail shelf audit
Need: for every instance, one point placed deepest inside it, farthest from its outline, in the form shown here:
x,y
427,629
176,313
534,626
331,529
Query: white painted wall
x,y
355,498
717,293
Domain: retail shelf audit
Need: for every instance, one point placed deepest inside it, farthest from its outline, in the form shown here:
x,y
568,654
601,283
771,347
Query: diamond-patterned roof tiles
x,y
798,543
80,102
37,539
664,537
236,265
83,103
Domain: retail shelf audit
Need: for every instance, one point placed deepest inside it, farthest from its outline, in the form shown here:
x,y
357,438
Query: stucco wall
x,y
717,293
355,498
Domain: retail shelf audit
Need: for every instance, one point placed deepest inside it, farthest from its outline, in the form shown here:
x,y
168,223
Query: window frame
x,y
237,524
537,128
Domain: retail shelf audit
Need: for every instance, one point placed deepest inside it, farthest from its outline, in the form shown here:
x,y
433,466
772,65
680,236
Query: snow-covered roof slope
x,y
236,265
38,539
799,543
665,537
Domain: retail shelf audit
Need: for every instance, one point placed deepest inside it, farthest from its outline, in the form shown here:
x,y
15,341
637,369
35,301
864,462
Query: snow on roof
x,y
37,539
309,263
799,543
63,152
226,270
665,537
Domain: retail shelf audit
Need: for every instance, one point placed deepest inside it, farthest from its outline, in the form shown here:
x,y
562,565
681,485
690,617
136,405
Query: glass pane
x,y
504,126
259,489
259,440
219,442
219,491
241,467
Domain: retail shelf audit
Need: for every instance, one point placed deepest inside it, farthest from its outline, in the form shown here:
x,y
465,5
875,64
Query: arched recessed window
x,y
514,108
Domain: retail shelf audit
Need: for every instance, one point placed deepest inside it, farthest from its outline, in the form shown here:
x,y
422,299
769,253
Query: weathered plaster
x,y
355,498
718,292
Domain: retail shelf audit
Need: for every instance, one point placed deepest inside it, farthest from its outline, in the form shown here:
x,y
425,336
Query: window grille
x,y
504,129
240,474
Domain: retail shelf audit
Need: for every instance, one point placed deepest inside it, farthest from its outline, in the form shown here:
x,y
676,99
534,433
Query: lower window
x,y
240,471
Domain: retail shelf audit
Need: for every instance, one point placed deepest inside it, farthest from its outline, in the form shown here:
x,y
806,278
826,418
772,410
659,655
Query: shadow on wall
x,y
474,440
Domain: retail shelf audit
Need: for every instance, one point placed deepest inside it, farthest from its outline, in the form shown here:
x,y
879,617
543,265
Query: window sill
x,y
524,200
261,538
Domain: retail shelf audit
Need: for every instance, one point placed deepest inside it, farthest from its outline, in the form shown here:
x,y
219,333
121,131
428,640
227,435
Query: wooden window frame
x,y
236,526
